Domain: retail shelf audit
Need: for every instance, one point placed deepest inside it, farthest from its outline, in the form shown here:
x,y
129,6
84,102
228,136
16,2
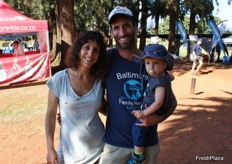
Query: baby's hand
x,y
138,113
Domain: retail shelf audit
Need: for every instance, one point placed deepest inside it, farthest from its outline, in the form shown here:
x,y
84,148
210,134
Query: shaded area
x,y
182,67
24,84
200,126
197,130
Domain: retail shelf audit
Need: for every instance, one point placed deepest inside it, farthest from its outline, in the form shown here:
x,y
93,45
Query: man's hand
x,y
150,120
138,113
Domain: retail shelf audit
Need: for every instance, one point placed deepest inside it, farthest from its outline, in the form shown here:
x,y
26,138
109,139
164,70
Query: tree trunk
x,y
171,36
156,29
192,23
67,26
191,31
143,26
110,38
55,30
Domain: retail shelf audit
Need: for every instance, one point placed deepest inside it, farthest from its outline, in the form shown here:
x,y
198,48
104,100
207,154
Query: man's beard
x,y
129,45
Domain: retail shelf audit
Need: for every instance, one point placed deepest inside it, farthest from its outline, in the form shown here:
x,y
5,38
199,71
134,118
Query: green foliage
x,y
164,26
202,27
36,9
91,18
93,15
159,7
203,8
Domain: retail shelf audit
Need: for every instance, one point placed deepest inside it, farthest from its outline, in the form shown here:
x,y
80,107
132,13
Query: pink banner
x,y
29,67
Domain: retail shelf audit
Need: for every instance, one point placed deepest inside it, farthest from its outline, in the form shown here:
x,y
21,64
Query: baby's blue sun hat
x,y
160,52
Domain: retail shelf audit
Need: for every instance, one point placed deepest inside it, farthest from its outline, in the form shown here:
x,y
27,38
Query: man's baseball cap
x,y
200,39
160,52
119,10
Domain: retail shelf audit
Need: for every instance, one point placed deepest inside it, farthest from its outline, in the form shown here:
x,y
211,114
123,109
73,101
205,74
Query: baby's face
x,y
155,67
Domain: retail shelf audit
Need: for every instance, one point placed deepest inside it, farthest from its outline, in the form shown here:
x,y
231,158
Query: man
x,y
36,45
197,56
18,50
125,82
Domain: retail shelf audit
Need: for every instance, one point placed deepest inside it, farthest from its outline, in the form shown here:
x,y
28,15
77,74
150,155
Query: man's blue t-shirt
x,y
124,94
197,48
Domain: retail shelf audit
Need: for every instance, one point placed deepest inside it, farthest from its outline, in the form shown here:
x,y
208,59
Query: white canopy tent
x,y
227,40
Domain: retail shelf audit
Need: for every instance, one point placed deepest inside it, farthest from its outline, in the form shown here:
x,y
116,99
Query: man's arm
x,y
104,107
172,77
155,119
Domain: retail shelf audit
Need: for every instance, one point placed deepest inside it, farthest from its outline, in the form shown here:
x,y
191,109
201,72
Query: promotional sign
x,y
216,35
30,67
182,32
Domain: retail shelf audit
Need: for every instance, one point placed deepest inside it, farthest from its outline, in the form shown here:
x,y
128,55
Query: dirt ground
x,y
199,131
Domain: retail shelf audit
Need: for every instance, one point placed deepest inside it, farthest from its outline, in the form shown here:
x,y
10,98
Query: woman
x,y
78,92
18,49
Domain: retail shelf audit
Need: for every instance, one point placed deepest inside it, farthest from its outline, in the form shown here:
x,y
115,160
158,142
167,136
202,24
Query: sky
x,y
224,12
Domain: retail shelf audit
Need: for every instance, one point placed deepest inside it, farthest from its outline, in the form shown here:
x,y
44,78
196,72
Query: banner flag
x,y
216,35
221,27
182,32
29,67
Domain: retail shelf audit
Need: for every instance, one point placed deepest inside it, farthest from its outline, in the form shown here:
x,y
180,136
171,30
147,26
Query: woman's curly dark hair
x,y
73,56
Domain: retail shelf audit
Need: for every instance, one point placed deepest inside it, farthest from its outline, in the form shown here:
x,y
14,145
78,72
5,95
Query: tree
x,y
66,23
173,8
143,25
66,18
197,9
158,9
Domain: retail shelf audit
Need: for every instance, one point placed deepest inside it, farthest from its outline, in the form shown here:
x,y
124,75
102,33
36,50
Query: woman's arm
x,y
50,125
